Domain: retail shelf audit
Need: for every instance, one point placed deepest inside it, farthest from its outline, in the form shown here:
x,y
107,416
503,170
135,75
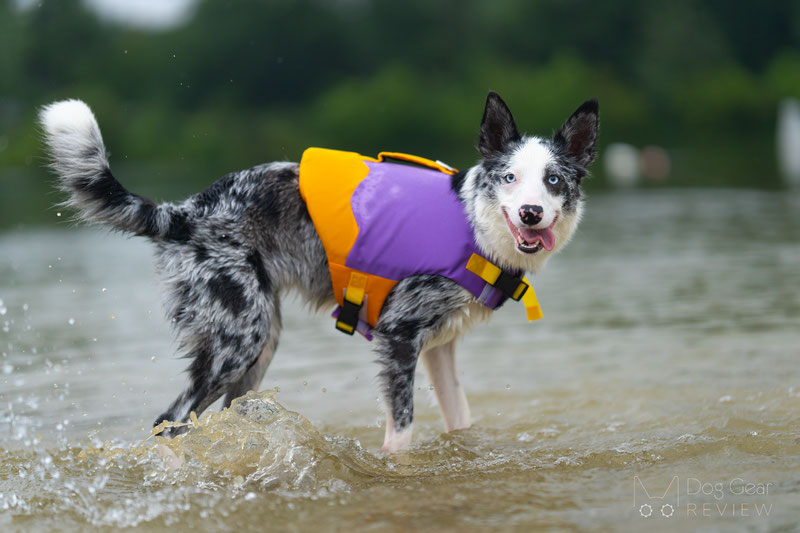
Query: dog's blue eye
x,y
510,178
553,180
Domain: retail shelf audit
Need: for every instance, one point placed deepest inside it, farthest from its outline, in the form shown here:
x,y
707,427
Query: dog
x,y
226,254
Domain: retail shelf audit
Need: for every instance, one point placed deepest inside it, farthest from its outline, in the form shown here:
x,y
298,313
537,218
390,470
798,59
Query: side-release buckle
x,y
512,286
347,320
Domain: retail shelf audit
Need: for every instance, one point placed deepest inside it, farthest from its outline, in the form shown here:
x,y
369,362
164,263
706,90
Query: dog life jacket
x,y
382,222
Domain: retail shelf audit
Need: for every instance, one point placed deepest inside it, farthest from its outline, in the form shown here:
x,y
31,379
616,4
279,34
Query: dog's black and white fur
x,y
227,254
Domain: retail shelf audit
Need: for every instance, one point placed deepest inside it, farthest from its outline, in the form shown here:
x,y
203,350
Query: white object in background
x,y
788,140
621,163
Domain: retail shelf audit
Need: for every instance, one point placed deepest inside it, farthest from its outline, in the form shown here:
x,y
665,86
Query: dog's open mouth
x,y
531,240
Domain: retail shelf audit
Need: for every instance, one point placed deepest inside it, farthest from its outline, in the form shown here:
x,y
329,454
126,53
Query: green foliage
x,y
244,82
783,75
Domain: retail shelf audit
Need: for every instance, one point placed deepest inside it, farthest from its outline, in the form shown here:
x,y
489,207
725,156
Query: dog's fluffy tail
x,y
78,157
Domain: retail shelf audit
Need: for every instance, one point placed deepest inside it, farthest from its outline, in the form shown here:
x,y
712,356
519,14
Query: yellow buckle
x,y
491,273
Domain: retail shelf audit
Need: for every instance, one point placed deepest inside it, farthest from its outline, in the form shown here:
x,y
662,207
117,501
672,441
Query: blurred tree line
x,y
243,82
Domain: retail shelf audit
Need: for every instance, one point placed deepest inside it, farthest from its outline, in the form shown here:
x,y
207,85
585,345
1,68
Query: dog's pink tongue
x,y
545,235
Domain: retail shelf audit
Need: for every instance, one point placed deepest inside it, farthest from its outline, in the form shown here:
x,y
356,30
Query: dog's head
x,y
524,196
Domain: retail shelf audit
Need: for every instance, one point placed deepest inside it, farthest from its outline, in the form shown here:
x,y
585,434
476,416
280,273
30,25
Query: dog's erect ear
x,y
497,128
579,133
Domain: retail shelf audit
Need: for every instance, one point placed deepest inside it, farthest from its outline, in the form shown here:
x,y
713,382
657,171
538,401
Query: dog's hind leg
x,y
224,320
440,365
252,378
221,364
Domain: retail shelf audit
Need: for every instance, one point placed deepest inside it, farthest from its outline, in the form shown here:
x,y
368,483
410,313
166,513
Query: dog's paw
x,y
173,461
396,441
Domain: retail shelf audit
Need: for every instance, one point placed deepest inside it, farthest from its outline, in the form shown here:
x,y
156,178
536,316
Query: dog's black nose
x,y
530,214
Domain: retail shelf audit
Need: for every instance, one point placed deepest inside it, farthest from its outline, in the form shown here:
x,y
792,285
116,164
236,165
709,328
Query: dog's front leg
x,y
399,360
440,364
412,314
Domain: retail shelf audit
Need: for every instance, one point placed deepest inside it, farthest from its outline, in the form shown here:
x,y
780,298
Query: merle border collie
x,y
226,254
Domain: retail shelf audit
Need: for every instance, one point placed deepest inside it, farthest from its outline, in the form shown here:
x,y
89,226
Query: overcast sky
x,y
141,13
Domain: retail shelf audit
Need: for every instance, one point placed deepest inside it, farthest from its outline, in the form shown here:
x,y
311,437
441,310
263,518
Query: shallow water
x,y
669,349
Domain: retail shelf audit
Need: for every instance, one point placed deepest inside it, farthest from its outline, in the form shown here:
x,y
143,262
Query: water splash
x,y
257,443
228,458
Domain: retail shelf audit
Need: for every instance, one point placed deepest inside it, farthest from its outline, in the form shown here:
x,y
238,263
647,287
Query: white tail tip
x,y
67,115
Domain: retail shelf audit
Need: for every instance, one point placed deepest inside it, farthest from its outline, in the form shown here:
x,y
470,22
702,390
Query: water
x,y
669,349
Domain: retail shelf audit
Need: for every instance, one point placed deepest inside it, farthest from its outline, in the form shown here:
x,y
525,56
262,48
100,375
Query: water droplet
x,y
305,384
104,289
153,359
58,214
71,321
125,52
508,386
